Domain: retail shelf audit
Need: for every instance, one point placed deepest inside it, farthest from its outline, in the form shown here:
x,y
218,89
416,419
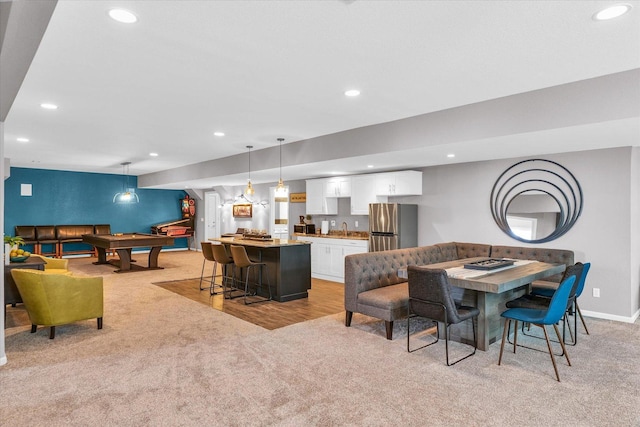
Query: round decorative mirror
x,y
536,201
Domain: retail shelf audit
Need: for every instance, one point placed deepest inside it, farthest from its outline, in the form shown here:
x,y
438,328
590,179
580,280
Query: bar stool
x,y
241,260
221,257
207,252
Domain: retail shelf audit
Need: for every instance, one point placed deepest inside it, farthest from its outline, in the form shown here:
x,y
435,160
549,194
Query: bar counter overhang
x,y
288,264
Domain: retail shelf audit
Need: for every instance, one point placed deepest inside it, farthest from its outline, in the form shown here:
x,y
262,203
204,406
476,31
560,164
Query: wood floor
x,y
325,298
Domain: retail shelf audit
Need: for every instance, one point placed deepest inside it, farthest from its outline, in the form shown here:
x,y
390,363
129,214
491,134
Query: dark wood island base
x,y
288,264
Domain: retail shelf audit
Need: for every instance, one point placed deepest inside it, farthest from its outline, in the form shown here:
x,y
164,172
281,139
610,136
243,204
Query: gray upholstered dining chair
x,y
430,297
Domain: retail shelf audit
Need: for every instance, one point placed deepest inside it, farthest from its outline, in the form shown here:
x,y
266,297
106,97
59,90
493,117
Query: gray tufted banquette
x,y
372,286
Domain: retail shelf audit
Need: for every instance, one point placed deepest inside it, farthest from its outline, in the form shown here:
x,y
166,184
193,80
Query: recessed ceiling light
x,y
153,154
451,156
352,92
369,166
123,16
22,139
218,133
612,12
49,106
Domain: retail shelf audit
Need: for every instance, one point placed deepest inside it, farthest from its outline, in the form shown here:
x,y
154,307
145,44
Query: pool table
x,y
122,243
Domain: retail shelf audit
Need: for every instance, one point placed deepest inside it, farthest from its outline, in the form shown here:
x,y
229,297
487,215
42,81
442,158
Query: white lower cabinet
x,y
327,256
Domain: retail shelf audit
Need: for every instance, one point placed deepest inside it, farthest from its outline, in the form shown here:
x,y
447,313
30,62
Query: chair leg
x,y
408,331
202,273
33,329
553,359
475,343
388,326
212,284
99,322
246,285
347,318
213,279
52,332
574,339
515,336
226,293
409,316
507,325
564,348
582,318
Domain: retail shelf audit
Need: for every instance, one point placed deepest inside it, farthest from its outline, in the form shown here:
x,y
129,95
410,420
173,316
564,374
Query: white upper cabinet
x,y
363,192
317,203
339,186
323,194
402,183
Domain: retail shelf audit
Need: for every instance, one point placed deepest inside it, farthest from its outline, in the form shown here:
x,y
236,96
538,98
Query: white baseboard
x,y
3,360
327,277
606,316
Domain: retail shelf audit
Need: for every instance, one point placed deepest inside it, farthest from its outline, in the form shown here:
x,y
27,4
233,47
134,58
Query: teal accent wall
x,y
62,197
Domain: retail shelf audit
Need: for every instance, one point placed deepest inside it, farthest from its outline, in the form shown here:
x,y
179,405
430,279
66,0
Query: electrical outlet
x,y
356,224
333,222
596,292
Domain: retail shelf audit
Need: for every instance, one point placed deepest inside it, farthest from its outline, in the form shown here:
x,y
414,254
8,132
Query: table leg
x,y
153,257
125,259
102,256
483,327
489,323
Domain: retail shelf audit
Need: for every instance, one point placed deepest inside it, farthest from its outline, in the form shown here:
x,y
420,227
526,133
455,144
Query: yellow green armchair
x,y
59,299
54,265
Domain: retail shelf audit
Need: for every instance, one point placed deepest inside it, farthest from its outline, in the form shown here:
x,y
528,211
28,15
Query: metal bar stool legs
x,y
229,281
258,283
221,257
207,252
242,261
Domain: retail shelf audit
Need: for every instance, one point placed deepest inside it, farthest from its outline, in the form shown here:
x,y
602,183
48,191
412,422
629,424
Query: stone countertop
x,y
273,243
337,234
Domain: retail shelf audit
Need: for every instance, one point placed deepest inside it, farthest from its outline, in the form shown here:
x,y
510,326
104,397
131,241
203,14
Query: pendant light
x,y
281,190
249,190
128,195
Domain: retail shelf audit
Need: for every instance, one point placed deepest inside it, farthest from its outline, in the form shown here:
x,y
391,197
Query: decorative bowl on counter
x,y
21,258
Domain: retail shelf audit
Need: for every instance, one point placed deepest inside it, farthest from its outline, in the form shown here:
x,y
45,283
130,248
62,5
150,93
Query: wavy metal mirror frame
x,y
537,176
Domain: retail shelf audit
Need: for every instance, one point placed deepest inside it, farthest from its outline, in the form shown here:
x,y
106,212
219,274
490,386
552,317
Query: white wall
x,y
455,207
3,355
634,230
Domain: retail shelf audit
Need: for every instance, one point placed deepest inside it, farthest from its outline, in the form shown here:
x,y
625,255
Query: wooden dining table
x,y
489,291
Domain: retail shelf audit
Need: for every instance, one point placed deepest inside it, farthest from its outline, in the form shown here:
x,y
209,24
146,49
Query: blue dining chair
x,y
541,318
539,302
548,293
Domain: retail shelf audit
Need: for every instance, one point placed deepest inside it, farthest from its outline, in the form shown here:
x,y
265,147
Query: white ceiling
x,y
259,70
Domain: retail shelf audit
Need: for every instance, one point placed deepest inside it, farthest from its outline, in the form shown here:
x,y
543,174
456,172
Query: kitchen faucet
x,y
344,227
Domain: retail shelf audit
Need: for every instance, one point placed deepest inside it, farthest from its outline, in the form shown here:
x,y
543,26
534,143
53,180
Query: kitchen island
x,y
288,263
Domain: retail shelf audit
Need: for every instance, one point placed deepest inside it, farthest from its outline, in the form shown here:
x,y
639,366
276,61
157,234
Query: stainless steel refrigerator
x,y
392,226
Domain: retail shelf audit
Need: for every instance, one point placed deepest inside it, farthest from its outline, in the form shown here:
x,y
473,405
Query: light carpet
x,y
164,360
